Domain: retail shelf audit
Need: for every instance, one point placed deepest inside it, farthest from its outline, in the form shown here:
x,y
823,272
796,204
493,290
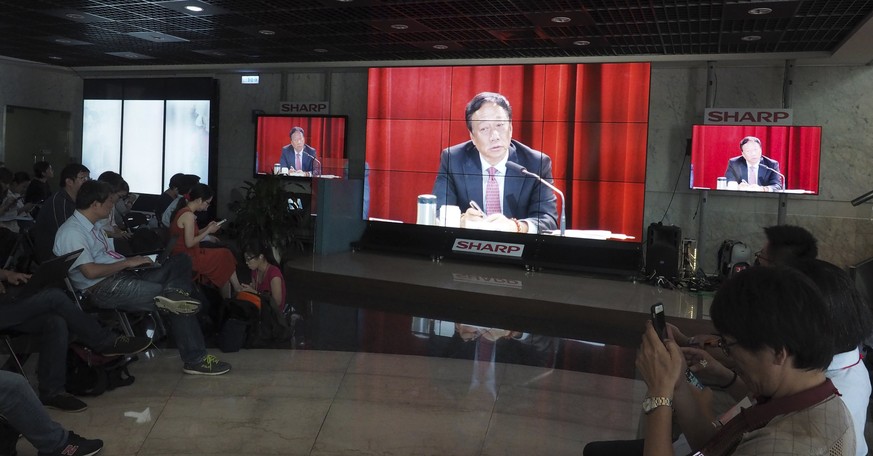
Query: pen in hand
x,y
476,206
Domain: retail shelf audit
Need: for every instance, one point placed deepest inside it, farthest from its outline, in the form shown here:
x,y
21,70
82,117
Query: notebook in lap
x,y
49,274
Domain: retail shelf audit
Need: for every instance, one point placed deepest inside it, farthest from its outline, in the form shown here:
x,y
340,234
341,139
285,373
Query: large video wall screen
x,y
590,119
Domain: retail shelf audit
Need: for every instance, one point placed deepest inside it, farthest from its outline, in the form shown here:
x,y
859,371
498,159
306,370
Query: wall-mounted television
x,y
316,144
590,120
779,159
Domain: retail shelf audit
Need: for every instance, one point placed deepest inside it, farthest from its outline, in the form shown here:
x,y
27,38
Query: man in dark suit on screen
x,y
751,170
474,173
298,156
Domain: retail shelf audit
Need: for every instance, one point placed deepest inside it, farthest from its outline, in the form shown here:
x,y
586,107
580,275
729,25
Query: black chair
x,y
19,347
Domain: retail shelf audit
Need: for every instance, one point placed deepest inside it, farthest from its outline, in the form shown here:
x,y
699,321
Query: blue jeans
x,y
24,412
53,315
136,291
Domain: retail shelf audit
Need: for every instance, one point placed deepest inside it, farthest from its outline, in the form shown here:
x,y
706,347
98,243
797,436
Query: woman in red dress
x,y
216,266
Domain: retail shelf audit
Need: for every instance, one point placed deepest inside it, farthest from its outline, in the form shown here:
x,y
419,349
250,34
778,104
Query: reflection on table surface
x,y
414,282
332,327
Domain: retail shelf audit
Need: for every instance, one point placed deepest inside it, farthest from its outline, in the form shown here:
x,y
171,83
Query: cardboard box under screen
x,y
589,120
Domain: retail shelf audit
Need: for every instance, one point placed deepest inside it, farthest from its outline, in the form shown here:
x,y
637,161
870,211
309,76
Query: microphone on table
x,y
317,162
524,171
777,172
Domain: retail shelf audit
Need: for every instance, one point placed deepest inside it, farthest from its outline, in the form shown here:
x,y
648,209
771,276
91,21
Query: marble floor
x,y
311,402
371,379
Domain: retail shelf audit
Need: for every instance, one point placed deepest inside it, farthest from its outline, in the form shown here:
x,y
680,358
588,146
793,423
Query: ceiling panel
x,y
362,30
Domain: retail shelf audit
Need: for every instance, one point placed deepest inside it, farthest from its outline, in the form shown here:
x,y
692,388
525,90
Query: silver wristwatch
x,y
651,403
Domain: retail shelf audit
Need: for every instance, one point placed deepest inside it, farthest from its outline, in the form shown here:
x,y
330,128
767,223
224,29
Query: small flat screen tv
x,y
789,158
324,137
590,120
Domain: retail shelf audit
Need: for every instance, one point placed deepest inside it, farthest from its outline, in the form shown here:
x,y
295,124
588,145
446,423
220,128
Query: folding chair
x,y
18,346
121,317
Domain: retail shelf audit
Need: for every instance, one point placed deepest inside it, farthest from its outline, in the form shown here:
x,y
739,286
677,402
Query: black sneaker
x,y
77,445
209,365
64,402
177,302
126,345
8,439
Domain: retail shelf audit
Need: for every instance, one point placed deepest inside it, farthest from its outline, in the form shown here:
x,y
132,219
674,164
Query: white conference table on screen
x,y
306,174
580,234
792,191
602,235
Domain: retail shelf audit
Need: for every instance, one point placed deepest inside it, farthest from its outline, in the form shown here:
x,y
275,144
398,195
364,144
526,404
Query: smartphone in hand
x,y
660,324
658,320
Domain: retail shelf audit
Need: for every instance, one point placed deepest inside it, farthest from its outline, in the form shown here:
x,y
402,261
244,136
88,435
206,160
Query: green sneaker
x,y
209,365
177,302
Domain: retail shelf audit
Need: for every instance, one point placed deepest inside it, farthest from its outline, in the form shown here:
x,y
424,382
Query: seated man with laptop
x,y
32,306
103,275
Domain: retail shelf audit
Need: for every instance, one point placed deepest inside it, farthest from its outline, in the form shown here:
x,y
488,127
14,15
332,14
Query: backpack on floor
x,y
271,329
237,317
92,374
252,321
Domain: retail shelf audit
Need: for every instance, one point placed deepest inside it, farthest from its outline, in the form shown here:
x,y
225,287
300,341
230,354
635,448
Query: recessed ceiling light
x,y
399,26
194,9
560,19
266,32
581,42
440,47
760,11
74,16
321,50
751,38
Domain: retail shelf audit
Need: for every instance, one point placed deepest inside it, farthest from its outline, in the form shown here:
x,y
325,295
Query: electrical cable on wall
x,y
675,186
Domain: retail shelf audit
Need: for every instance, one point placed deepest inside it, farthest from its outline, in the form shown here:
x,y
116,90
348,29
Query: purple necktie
x,y
492,193
298,163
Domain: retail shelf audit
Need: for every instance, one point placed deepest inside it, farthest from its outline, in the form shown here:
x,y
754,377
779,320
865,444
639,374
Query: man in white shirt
x,y
105,276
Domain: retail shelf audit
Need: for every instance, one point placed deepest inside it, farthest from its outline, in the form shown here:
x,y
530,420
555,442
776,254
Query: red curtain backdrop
x,y
797,149
326,134
590,119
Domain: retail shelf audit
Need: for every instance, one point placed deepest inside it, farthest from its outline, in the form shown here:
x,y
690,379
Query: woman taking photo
x,y
775,330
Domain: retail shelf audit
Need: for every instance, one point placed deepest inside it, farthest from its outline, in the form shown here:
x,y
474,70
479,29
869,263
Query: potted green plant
x,y
264,215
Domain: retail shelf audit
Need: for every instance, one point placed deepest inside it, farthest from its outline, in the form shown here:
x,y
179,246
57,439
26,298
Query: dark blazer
x,y
738,171
460,180
286,160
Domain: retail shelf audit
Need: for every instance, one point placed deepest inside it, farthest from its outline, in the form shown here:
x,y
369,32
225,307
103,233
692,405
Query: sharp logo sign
x,y
748,117
294,107
503,249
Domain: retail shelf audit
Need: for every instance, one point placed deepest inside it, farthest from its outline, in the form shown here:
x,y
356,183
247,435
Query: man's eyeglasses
x,y
725,346
248,258
759,256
